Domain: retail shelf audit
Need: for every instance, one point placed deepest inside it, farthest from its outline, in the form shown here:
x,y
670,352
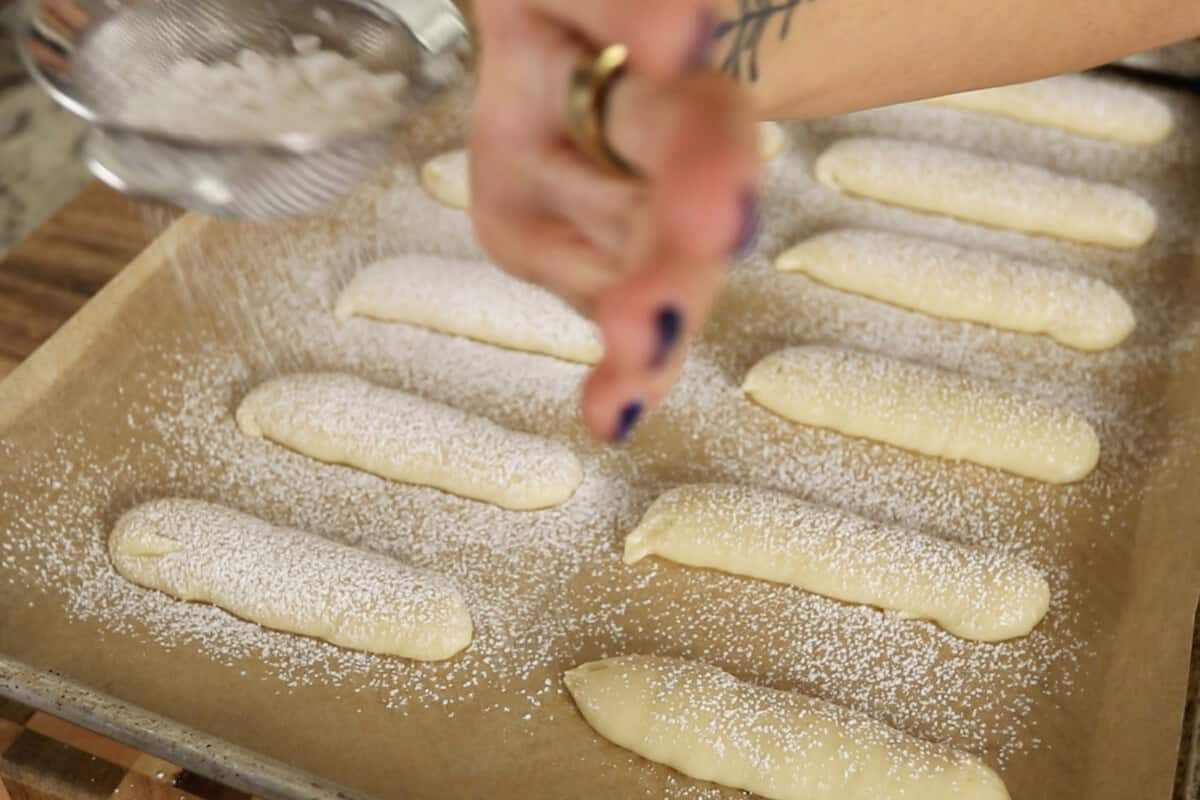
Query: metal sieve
x,y
91,56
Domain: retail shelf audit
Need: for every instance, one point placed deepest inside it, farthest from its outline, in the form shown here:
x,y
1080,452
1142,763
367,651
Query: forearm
x,y
805,58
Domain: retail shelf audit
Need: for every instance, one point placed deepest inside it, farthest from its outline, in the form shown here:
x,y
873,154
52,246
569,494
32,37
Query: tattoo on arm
x,y
745,32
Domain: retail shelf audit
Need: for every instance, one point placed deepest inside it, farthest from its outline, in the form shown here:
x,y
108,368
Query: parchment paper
x,y
91,416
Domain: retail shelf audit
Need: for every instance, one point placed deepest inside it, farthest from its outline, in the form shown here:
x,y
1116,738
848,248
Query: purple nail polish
x,y
668,324
698,53
747,238
630,415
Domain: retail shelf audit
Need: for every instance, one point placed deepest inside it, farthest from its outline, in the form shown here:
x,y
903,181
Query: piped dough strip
x,y
926,410
342,419
987,191
771,140
290,580
952,282
1079,104
762,534
472,299
779,745
447,178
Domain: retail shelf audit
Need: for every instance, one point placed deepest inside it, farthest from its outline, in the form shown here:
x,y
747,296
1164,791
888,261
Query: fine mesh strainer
x,y
92,55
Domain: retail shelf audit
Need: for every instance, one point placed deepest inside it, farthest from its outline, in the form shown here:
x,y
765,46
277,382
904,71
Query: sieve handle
x,y
436,24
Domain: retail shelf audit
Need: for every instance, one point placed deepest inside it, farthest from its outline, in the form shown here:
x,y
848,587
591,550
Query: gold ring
x,y
587,100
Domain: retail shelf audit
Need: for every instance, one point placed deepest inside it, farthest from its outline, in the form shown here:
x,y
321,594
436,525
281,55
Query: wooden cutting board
x,y
47,277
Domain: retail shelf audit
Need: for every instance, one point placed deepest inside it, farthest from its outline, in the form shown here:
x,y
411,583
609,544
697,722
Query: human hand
x,y
55,26
644,257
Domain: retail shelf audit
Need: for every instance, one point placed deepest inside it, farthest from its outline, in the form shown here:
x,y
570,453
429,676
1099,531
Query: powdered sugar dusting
x,y
1079,103
973,593
988,191
779,744
945,280
343,419
290,580
931,411
472,299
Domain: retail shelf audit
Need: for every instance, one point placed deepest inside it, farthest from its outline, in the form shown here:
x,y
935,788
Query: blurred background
x,y
39,145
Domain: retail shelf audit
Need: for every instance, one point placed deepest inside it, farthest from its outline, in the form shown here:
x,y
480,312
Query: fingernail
x,y
697,57
669,325
747,238
630,415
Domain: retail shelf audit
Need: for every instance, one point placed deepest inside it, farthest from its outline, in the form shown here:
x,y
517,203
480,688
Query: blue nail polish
x,y
669,325
630,415
747,238
697,57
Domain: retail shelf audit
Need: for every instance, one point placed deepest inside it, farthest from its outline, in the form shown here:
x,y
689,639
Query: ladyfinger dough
x,y
447,178
771,140
987,191
971,593
926,410
1078,104
780,745
290,580
341,419
472,299
944,280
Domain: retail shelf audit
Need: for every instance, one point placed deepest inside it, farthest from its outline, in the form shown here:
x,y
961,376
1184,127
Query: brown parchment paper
x,y
90,408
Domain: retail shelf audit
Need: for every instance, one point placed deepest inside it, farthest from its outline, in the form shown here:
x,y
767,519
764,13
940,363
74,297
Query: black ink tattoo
x,y
745,33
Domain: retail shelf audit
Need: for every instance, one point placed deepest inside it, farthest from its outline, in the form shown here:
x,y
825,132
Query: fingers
x,y
647,322
50,59
548,252
68,14
693,140
648,317
666,38
697,142
600,204
645,259
700,154
614,402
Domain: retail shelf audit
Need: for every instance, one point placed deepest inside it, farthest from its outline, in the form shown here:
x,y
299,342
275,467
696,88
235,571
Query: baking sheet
x,y
133,400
